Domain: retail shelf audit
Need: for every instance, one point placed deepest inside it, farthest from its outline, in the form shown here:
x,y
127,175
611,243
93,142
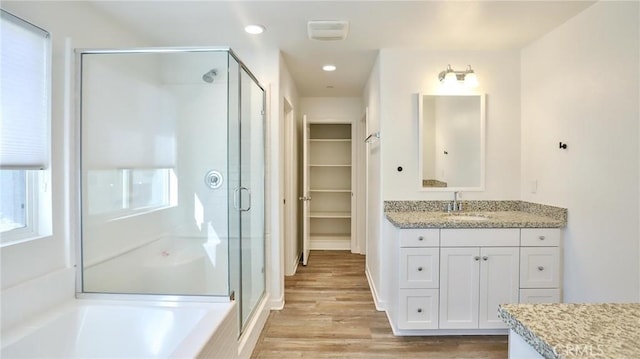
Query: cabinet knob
x,y
541,238
540,268
485,258
476,258
419,269
420,238
419,310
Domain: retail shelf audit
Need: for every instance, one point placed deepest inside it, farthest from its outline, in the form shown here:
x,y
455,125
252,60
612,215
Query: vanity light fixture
x,y
254,29
450,76
329,68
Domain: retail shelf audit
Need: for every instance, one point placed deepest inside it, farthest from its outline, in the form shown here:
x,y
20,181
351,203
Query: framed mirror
x,y
451,131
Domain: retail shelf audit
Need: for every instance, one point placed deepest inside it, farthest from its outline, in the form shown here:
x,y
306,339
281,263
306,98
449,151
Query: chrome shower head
x,y
209,76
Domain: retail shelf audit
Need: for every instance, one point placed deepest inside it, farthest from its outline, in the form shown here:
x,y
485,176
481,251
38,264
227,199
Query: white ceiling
x,y
433,25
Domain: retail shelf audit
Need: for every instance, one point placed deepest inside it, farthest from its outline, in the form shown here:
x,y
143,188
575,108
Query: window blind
x,y
24,94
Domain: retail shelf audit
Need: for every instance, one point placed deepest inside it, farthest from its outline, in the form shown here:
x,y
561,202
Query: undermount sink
x,y
467,217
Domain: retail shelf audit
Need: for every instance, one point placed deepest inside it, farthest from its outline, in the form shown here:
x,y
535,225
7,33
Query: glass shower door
x,y
251,194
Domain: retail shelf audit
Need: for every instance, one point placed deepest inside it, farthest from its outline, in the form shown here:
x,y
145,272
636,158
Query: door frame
x,y
289,189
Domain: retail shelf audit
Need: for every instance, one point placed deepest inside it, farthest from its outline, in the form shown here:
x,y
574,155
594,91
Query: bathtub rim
x,y
153,298
193,343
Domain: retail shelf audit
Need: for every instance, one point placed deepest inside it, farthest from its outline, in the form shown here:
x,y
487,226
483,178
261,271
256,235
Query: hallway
x,y
329,313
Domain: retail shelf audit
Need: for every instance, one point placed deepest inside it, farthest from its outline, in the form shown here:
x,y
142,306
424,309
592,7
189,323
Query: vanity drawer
x,y
418,309
419,237
539,267
480,237
545,295
419,267
540,237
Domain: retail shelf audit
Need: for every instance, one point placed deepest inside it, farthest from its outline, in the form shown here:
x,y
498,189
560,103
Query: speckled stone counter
x,y
476,214
577,330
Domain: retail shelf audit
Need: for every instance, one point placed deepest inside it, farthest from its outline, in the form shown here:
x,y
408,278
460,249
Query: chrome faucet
x,y
454,206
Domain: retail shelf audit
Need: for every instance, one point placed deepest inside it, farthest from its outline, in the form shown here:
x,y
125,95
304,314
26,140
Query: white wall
x,y
289,93
580,86
374,263
404,73
332,108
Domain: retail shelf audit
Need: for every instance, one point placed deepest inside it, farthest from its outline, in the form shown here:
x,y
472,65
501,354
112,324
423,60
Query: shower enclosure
x,y
172,176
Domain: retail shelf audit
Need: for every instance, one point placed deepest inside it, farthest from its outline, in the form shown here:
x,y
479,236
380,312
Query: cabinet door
x,y
498,283
459,279
419,267
418,309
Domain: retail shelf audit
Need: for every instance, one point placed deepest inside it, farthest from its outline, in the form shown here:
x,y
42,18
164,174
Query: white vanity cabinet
x,y
478,271
452,280
540,265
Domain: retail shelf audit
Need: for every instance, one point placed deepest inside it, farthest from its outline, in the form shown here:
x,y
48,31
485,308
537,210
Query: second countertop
x,y
569,330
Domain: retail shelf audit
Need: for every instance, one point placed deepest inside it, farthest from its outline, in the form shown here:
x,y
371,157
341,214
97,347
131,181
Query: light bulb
x,y
254,29
470,79
450,78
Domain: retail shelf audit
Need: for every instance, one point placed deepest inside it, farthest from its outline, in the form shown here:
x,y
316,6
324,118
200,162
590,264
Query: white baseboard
x,y
380,305
277,303
328,244
294,265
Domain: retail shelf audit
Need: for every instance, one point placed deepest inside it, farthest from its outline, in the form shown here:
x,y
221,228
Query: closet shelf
x,y
330,139
330,214
328,190
333,236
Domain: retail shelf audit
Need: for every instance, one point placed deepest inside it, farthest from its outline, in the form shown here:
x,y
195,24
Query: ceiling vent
x,y
327,30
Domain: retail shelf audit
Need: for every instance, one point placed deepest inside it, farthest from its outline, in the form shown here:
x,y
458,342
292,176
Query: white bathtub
x,y
124,329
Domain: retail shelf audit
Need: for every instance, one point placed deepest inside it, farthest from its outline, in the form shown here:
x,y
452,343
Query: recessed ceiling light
x,y
254,29
329,67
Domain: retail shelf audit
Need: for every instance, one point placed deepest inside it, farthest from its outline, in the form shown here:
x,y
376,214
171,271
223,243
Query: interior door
x,y
306,195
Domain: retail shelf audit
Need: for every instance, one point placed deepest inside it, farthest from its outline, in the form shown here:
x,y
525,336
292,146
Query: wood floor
x,y
329,313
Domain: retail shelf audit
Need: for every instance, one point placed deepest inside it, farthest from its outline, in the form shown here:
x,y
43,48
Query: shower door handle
x,y
236,192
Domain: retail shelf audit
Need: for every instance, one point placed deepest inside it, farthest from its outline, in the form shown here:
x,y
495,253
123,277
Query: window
x,y
122,192
25,198
13,185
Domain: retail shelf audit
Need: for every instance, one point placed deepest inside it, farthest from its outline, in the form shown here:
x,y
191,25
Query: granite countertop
x,y
503,219
476,214
577,330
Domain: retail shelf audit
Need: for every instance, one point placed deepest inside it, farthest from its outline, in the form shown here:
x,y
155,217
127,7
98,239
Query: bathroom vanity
x,y
451,270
